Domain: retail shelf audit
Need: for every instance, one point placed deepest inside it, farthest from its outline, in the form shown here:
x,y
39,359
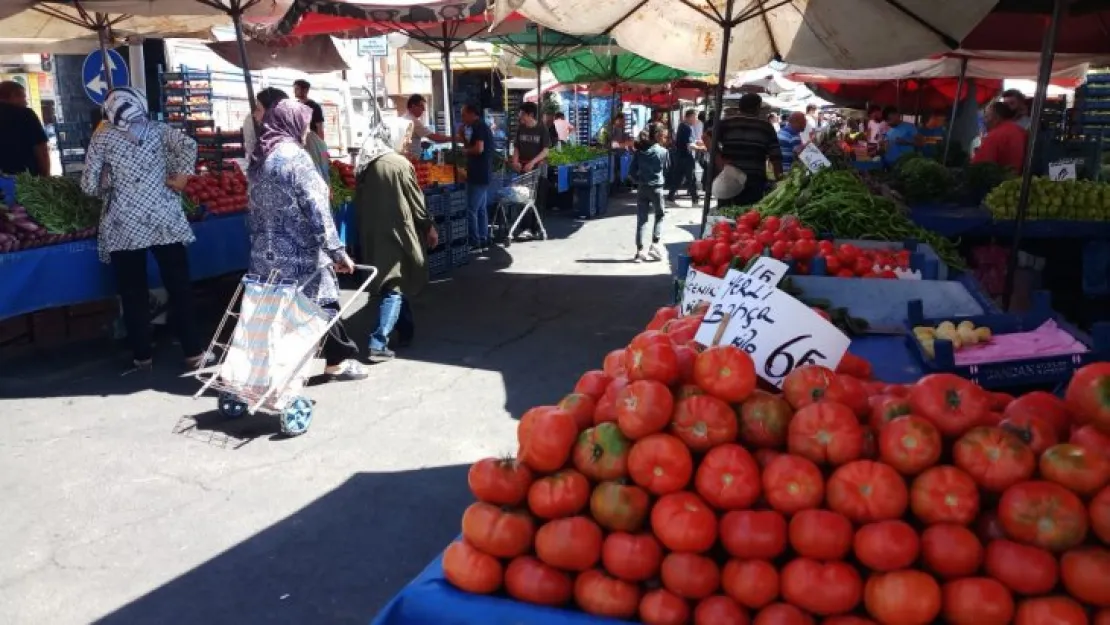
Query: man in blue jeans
x,y
479,168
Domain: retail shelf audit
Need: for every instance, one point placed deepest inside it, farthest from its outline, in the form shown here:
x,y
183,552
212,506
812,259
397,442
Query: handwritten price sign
x,y
779,332
699,288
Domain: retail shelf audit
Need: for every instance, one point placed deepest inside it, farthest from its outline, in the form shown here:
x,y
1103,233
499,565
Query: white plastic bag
x,y
729,183
517,195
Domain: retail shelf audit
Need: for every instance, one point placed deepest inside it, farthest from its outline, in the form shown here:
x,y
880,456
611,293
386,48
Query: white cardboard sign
x,y
1061,171
813,158
779,332
769,270
699,288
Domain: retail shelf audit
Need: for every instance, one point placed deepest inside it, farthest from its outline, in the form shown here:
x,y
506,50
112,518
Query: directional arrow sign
x,y
93,76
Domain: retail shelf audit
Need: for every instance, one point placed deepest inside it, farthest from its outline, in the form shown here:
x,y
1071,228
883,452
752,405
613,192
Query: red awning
x,y
930,94
1086,33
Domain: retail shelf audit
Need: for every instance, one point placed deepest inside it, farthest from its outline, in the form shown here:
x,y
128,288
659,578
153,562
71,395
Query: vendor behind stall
x,y
420,131
900,138
1005,140
25,148
932,133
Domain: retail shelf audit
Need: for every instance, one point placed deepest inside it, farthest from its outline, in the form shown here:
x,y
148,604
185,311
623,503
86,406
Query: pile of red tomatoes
x,y
671,486
734,244
219,191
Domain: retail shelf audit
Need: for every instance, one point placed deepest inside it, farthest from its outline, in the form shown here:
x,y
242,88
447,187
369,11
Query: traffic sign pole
x,y
102,35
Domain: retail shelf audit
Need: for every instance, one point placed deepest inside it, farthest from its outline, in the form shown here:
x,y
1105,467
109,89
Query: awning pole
x,y
447,84
539,69
1044,74
719,103
237,20
102,37
955,106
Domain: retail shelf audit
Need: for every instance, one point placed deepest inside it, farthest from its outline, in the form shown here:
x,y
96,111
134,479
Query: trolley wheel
x,y
230,407
296,417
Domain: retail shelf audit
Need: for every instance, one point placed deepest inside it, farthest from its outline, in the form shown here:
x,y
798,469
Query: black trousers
x,y
338,345
129,267
684,174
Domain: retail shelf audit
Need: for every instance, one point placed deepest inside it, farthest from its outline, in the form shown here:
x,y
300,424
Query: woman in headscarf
x,y
292,230
138,167
394,229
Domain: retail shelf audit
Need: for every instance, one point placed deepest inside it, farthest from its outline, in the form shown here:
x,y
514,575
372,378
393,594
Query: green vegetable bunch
x,y
57,203
922,179
569,154
340,194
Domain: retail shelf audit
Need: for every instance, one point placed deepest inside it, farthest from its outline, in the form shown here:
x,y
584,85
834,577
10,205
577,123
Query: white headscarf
x,y
125,107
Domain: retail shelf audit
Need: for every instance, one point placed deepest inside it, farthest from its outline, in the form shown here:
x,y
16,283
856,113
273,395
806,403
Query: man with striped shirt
x,y
747,142
790,139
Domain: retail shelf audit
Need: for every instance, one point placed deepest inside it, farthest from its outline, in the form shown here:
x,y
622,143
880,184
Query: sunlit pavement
x,y
125,501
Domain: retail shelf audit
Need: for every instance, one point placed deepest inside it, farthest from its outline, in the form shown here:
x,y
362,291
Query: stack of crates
x,y
457,232
73,140
582,182
439,259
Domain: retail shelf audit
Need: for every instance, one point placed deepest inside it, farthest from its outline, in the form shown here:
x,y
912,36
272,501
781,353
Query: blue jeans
x,y
477,199
649,200
394,311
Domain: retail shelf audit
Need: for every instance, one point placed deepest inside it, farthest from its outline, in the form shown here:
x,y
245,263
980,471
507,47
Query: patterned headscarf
x,y
285,123
125,107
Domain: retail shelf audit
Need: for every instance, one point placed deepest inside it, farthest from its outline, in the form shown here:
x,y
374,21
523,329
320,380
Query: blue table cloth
x,y
68,274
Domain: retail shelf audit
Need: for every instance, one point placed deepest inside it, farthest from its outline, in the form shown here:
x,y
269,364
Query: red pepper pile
x,y
734,244
219,192
673,486
346,173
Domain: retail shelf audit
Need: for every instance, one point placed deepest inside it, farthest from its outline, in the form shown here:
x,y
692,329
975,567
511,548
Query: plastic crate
x,y
600,171
923,258
437,207
456,203
439,261
7,190
585,202
602,198
460,255
458,230
1046,371
443,229
582,175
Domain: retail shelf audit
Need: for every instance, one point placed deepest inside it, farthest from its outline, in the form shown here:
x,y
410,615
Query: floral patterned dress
x,y
129,173
292,230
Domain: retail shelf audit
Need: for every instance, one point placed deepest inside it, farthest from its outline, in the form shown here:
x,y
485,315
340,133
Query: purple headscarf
x,y
286,122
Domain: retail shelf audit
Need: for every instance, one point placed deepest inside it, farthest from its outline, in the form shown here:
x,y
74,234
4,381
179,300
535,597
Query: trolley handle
x,y
372,272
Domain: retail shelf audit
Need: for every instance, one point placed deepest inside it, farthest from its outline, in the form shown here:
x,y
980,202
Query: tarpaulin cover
x,y
458,20
312,55
852,34
930,94
586,66
68,274
1068,70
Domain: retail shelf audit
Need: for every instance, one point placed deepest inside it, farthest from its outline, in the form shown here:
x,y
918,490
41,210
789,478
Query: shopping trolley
x,y
517,192
264,365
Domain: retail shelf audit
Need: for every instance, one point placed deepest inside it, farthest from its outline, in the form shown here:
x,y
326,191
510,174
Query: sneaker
x,y
347,371
639,257
655,253
525,235
381,355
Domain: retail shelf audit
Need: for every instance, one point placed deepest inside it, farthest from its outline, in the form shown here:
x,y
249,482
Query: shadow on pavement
x,y
335,561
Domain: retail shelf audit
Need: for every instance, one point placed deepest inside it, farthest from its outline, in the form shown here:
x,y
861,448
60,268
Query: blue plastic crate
x,y
602,198
443,229
439,261
460,255
585,202
582,175
1099,78
456,203
458,230
1047,371
7,190
437,207
923,257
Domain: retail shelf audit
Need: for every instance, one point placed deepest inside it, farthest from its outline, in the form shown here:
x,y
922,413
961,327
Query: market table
x,y
69,274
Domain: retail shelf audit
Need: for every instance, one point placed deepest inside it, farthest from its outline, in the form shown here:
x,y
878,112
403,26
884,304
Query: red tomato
x,y
866,491
660,463
820,534
644,407
703,422
719,254
779,250
570,544
662,316
1055,610
546,435
806,385
793,483
531,581
501,481
1086,575
751,583
977,601
910,444
663,607
1075,468
619,507
605,411
1102,617
886,408
581,407
686,357
719,609
994,458
904,597
728,478
1023,569
826,433
782,614
690,575
1034,431
832,265
651,356
821,587
886,545
950,550
559,495
467,568
754,534
854,366
597,593
764,419
1090,438
1042,405
1088,396
999,401
631,557
1100,514
683,522
613,365
725,372
601,452
1043,514
944,494
952,403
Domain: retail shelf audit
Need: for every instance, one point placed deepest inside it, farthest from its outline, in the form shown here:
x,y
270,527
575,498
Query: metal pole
x,y
237,21
1044,74
719,104
102,36
450,102
955,106
539,68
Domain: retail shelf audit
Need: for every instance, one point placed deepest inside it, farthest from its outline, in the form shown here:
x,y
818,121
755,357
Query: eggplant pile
x,y
19,231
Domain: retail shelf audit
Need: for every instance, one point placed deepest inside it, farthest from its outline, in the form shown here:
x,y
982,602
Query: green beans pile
x,y
837,202
57,203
